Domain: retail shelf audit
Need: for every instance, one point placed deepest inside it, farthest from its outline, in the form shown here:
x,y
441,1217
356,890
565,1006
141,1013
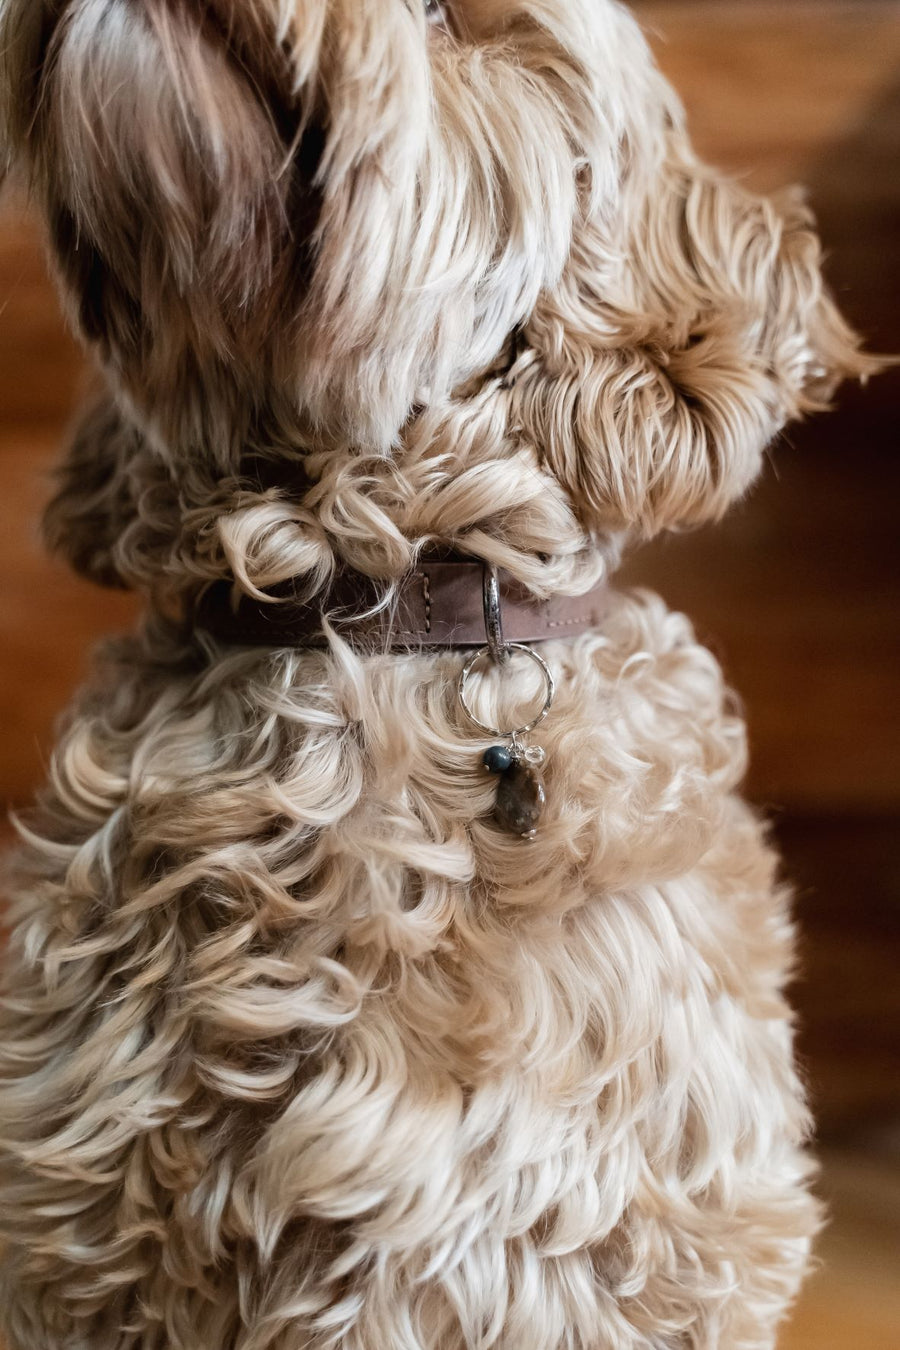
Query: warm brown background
x,y
799,591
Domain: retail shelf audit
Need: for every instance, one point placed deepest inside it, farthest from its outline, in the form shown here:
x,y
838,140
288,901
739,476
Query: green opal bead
x,y
497,759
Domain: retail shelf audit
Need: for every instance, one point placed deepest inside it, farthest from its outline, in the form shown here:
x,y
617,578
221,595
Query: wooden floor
x,y
799,591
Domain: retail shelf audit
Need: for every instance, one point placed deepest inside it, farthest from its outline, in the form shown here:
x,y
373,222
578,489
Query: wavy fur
x,y
298,1051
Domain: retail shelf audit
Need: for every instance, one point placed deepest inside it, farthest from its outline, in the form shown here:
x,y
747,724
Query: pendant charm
x,y
520,794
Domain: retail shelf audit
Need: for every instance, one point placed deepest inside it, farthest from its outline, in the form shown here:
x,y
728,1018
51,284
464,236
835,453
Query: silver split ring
x,y
509,647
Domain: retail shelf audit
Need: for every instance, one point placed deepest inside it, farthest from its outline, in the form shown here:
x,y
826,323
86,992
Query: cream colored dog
x,y
300,1050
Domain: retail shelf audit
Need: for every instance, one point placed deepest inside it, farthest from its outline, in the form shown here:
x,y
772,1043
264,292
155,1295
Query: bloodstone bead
x,y
497,759
520,800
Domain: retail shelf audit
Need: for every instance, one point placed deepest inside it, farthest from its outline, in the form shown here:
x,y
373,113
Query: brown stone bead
x,y
520,799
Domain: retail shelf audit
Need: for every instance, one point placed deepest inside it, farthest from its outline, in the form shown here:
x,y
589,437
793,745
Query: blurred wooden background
x,y
799,589
798,592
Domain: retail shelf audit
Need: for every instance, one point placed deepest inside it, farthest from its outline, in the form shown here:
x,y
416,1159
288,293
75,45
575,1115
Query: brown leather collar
x,y
439,604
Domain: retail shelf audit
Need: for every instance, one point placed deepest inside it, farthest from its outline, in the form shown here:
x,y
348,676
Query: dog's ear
x,y
315,203
20,28
692,325
156,158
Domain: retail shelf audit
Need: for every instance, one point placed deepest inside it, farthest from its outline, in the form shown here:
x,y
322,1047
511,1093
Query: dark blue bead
x,y
497,759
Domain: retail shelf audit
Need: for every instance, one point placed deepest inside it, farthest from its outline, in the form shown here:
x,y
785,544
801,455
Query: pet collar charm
x,y
520,798
520,793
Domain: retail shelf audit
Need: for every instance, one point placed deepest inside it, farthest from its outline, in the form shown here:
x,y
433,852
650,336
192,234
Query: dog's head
x,y
407,227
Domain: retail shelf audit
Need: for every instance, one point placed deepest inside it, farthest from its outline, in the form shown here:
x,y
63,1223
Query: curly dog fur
x,y
298,1051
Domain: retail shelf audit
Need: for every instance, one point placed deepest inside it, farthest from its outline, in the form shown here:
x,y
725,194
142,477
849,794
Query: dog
x,y
308,1043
